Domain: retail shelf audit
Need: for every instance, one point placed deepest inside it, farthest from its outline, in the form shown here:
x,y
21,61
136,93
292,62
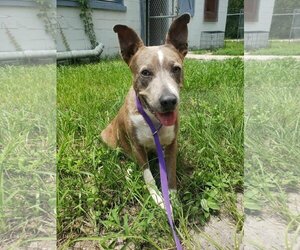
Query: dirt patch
x,y
269,233
267,230
263,231
36,245
220,232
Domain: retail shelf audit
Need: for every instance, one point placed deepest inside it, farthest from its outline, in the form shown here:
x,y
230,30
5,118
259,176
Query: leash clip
x,y
157,130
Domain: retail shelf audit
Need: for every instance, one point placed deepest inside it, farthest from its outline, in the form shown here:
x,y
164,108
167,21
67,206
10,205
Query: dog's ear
x,y
178,34
129,41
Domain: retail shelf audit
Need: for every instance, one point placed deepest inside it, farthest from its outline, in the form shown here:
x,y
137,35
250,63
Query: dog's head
x,y
157,70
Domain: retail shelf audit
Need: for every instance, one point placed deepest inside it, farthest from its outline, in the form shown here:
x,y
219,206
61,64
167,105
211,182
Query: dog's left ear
x,y
178,34
129,41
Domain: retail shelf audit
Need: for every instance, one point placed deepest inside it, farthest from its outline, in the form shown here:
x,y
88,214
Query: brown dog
x,y
157,78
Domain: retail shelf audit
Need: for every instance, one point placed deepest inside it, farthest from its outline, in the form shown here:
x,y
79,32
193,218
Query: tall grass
x,y
102,195
272,137
27,154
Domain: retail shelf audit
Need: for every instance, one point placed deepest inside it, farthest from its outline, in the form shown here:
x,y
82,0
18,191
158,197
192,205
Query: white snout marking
x,y
160,57
173,90
170,86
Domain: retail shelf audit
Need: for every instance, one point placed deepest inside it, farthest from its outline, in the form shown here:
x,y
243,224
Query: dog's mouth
x,y
167,118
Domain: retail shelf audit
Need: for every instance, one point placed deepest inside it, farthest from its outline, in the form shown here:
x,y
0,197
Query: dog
x,y
157,73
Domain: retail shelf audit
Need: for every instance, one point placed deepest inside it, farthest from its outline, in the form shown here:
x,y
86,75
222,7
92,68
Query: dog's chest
x,y
144,134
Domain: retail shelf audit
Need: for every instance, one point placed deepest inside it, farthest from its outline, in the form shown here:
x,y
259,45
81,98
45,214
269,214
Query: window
x,y
116,5
251,10
211,10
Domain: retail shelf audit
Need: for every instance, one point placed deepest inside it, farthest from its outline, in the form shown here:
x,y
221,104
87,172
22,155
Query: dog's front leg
x,y
141,158
170,157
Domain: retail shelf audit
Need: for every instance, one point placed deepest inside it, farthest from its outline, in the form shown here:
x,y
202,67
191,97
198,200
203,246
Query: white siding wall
x,y
197,24
29,30
25,27
264,17
104,21
72,27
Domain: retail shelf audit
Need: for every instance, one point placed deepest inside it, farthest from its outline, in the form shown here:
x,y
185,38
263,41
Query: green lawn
x,y
281,48
236,48
231,48
27,155
272,141
102,195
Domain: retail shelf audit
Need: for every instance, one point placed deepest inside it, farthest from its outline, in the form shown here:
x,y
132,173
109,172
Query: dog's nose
x,y
168,102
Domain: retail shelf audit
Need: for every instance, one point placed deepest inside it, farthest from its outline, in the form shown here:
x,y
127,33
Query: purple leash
x,y
162,170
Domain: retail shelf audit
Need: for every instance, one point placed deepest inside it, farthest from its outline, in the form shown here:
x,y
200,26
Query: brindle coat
x,y
156,71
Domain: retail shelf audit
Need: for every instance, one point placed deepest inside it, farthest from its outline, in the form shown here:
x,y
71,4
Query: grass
x,y
281,48
102,196
272,144
27,154
231,48
236,48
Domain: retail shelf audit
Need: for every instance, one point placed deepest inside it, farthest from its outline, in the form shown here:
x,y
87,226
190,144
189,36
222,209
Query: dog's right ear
x,y
129,41
178,34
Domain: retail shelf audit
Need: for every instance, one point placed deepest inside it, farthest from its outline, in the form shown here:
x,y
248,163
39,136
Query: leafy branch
x,y
48,15
86,17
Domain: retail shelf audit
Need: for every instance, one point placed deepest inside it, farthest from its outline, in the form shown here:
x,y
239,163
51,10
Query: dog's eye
x,y
146,73
176,69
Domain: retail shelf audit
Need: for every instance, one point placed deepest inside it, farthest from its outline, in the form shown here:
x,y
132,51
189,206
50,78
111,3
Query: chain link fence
x,y
160,14
235,25
286,25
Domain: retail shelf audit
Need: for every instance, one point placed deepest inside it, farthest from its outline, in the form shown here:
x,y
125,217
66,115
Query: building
x,y
258,19
25,27
207,27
